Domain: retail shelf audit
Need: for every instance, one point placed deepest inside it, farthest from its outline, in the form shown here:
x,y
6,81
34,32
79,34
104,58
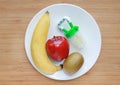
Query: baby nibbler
x,y
72,33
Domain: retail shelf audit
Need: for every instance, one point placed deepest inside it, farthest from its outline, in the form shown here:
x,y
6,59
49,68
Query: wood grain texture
x,y
15,68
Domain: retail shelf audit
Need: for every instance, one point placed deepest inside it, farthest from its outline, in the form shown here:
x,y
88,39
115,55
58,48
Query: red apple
x,y
57,48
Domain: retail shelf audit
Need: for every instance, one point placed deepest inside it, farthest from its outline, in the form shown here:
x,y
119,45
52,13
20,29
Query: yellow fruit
x,y
38,49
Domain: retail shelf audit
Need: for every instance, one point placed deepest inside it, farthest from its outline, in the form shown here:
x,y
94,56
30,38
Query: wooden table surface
x,y
15,68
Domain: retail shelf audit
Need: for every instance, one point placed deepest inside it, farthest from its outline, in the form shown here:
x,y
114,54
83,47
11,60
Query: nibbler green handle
x,y
68,32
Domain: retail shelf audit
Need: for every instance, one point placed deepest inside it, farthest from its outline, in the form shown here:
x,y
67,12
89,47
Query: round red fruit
x,y
57,48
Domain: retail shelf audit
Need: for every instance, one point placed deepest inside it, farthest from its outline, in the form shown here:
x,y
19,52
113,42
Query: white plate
x,y
88,28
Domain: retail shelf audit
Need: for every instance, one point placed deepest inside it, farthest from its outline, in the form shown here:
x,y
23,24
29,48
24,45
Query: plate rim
x,y
61,4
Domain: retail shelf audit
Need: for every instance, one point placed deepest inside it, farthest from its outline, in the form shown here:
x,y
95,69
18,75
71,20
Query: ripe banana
x,y
38,49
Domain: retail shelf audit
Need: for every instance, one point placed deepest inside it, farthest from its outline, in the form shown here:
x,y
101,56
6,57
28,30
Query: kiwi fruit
x,y
73,63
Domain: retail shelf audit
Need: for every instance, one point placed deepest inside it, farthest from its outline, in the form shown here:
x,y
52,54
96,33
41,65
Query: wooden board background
x,y
15,68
